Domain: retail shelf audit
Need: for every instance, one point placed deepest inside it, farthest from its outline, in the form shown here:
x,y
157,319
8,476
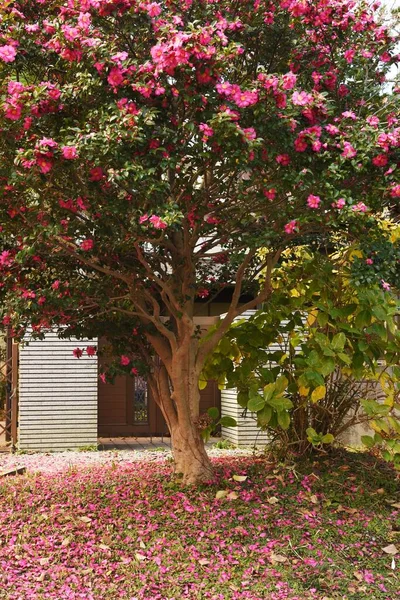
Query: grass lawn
x,y
126,530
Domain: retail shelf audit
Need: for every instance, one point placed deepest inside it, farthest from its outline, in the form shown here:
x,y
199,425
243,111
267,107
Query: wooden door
x,y
127,409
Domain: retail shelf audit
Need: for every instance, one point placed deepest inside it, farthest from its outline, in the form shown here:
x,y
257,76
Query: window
x,y
140,404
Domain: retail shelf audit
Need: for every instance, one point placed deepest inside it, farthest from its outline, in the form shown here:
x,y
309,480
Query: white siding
x,y
57,395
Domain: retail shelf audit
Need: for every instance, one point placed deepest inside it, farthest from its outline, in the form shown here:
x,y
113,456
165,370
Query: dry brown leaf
x,y
104,547
66,541
139,556
203,562
85,519
391,549
314,499
233,496
44,561
358,576
273,500
277,558
239,478
221,494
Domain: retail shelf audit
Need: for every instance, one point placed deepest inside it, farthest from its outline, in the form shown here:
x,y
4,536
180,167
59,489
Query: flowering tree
x,y
150,149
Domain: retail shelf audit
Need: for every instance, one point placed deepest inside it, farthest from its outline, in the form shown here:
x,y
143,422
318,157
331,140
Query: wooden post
x,y
8,383
14,394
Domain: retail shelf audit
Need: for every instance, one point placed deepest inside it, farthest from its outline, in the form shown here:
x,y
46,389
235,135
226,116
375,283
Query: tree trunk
x,y
180,407
190,456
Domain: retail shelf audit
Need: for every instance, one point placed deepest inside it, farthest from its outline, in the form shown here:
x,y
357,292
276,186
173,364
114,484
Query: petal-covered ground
x,y
122,529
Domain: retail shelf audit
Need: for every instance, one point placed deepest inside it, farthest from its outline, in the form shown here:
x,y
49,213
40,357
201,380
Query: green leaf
x,y
358,361
227,421
327,366
213,412
264,416
322,318
225,346
328,438
368,441
280,403
345,358
203,384
338,342
363,319
281,384
284,419
379,312
256,403
269,390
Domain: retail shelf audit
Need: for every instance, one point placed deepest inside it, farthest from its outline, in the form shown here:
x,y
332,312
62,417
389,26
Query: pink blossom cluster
x,y
156,221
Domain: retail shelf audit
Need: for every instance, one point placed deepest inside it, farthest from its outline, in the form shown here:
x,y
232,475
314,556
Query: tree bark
x,y
180,407
190,456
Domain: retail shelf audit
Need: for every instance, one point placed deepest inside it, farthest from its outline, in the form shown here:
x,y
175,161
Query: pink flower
x,y
224,88
341,203
157,222
349,114
270,194
369,261
301,98
69,152
373,121
125,360
143,219
77,352
84,20
332,129
120,57
6,258
349,55
395,191
115,77
96,174
12,111
91,350
153,9
7,53
250,133
300,144
45,165
86,245
246,98
368,576
102,377
207,131
291,226
289,81
380,161
313,201
203,293
283,159
134,371
348,150
359,207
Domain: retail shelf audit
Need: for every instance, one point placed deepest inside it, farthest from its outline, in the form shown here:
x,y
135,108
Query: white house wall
x,y
57,395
